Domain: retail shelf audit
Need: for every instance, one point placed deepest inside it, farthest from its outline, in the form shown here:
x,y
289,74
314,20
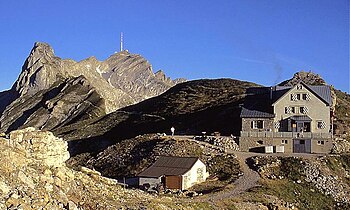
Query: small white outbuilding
x,y
174,172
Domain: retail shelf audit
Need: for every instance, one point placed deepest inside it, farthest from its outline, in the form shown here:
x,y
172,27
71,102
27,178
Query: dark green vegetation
x,y
225,167
303,195
340,164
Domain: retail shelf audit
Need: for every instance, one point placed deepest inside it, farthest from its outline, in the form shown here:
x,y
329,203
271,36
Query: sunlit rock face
x,y
33,175
52,92
42,146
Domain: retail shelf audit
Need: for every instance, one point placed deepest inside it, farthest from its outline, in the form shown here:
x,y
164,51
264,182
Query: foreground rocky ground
x,y
33,175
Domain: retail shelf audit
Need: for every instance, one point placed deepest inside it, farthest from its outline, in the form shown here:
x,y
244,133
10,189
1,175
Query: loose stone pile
x,y
314,171
220,141
326,183
341,146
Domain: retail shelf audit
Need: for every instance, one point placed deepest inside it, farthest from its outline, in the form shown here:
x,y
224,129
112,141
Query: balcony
x,y
299,135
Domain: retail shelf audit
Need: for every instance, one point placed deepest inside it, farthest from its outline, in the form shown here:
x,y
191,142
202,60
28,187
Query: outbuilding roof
x,y
169,166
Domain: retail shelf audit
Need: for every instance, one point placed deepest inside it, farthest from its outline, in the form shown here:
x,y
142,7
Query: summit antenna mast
x,y
121,41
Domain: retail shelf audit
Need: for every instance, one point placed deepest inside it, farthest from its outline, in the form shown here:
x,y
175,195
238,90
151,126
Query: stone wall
x,y
247,143
247,124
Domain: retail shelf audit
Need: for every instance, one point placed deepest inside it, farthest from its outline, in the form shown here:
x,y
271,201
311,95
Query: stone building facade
x,y
295,117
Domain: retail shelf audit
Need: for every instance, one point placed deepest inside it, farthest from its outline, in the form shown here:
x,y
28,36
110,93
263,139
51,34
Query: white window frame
x,y
293,109
255,124
320,142
284,141
317,124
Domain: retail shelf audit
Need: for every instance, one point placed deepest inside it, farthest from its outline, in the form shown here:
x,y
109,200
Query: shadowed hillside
x,y
191,107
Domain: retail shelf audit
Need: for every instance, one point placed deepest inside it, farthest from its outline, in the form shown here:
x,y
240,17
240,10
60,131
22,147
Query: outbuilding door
x,y
302,146
173,182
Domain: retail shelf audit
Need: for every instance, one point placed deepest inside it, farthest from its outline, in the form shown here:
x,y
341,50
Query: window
x,y
301,110
284,141
304,96
299,87
200,174
292,109
286,110
258,124
260,142
298,96
321,125
320,142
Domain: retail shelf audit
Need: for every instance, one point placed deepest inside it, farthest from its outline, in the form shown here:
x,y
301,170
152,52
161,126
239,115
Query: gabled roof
x,y
167,165
323,92
247,113
257,103
259,100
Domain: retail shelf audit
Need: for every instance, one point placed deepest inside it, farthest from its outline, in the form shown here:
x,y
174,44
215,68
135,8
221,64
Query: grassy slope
x,y
342,114
304,195
191,107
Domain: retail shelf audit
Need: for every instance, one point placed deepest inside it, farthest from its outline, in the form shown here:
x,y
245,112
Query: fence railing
x,y
270,134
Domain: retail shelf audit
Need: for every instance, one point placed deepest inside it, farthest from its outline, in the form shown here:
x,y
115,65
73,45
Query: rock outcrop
x,y
122,79
33,175
64,102
42,146
307,77
327,175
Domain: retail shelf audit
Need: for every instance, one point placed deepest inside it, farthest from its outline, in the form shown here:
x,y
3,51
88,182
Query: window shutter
x,y
306,110
323,125
308,98
288,110
277,125
294,97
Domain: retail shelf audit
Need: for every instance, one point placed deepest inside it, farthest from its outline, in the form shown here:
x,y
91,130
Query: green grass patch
x,y
302,194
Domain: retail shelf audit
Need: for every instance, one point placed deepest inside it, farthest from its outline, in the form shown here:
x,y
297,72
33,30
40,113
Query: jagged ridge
x,y
121,80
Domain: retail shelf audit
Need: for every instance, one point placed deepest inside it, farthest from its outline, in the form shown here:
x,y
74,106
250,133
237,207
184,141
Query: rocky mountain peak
x,y
40,70
121,80
42,48
309,78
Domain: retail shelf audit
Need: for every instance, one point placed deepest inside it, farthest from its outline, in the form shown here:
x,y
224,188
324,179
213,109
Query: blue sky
x,y
263,41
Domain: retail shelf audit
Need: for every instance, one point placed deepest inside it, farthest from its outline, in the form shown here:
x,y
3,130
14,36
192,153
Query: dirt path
x,y
248,180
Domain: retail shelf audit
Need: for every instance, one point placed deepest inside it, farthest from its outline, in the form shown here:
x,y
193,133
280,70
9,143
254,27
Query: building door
x,y
302,145
300,127
173,182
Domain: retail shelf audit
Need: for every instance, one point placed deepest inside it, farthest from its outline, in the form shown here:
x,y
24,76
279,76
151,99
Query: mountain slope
x,y
191,107
121,80
65,102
